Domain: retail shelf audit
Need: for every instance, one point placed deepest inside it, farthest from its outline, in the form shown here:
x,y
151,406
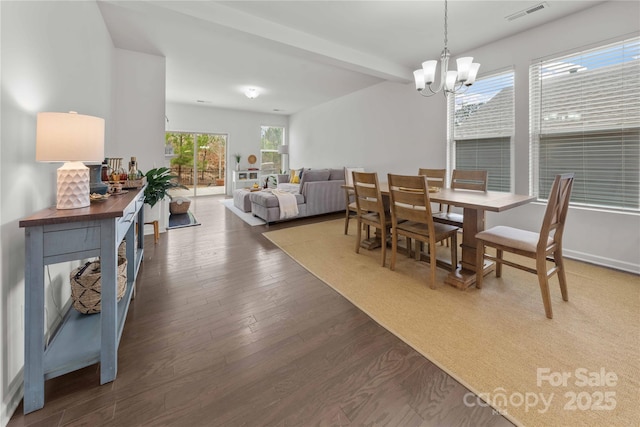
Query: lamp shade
x,y
63,137
283,149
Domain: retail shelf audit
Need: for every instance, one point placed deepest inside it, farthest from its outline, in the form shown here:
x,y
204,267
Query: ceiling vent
x,y
527,11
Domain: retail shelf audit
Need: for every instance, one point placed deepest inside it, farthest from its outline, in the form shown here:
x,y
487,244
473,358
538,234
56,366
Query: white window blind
x,y
585,118
481,126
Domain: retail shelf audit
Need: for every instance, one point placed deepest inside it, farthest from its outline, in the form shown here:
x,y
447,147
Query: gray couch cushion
x,y
336,174
268,200
312,175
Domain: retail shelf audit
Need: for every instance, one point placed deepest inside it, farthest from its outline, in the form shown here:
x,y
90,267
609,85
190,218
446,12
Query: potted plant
x,y
237,156
159,182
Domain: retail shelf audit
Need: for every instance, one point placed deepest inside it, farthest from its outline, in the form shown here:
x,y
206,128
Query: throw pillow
x,y
294,176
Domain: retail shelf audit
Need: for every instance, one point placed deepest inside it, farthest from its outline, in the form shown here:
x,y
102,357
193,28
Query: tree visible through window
x,y
271,138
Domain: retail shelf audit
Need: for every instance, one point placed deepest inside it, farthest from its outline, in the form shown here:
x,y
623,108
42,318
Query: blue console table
x,y
54,236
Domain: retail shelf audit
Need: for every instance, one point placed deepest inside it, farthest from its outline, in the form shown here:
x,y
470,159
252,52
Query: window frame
x,y
270,150
500,132
593,131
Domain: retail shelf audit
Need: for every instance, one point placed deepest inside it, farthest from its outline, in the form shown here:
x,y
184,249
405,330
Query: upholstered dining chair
x,y
350,204
370,210
409,201
543,246
475,180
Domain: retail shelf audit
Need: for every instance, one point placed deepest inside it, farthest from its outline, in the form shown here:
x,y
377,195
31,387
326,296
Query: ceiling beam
x,y
316,48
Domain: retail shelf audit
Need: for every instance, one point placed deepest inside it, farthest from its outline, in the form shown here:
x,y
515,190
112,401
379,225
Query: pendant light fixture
x,y
450,81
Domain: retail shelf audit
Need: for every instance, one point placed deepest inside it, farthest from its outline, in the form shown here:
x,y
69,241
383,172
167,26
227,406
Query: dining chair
x,y
436,178
370,210
543,246
409,201
475,180
350,204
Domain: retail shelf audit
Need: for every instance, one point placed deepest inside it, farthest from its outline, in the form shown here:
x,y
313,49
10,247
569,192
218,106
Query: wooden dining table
x,y
474,205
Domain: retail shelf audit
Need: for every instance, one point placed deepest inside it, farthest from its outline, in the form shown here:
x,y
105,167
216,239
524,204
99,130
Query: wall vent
x,y
530,10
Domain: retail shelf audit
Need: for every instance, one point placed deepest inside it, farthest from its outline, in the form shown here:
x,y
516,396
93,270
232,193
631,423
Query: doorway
x,y
199,162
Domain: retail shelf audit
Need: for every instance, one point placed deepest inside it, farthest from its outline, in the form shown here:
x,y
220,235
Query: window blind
x,y
585,118
481,126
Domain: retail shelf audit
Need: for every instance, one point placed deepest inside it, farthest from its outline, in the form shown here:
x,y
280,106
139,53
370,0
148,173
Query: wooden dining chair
x,y
475,180
409,201
350,203
370,210
543,246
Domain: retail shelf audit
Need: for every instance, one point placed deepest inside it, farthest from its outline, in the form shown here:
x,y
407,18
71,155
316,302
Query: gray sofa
x,y
319,191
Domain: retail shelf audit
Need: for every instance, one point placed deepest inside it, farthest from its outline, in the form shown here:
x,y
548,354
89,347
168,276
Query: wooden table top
x,y
113,207
494,201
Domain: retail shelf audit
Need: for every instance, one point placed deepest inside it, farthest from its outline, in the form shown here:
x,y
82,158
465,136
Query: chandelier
x,y
450,81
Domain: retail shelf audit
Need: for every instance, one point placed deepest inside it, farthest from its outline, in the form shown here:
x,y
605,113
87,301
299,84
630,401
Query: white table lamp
x,y
71,138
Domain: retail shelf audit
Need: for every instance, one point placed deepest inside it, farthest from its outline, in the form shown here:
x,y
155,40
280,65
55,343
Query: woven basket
x,y
86,285
179,206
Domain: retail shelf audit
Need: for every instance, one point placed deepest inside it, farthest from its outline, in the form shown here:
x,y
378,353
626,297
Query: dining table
x,y
474,205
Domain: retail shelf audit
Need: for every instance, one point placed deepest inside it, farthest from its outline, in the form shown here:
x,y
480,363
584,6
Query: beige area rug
x,y
580,369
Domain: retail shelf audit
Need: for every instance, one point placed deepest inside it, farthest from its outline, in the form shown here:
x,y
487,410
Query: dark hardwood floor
x,y
227,330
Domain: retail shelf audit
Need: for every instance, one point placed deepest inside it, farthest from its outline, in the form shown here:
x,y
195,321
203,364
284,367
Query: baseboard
x,y
12,399
602,261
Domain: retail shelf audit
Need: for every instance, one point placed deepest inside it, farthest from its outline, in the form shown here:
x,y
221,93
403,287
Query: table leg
x,y
465,274
34,320
108,318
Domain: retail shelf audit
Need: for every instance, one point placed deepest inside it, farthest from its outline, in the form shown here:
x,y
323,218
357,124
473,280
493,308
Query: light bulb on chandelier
x,y
252,93
450,81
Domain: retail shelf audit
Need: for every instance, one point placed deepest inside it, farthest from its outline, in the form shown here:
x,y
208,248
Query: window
x,y
271,139
585,118
480,129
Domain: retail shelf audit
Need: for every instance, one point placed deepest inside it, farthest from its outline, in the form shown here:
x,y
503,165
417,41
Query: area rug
x,y
182,220
580,368
245,216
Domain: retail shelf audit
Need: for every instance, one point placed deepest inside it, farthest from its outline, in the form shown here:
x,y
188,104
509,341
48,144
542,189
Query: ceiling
x,y
302,53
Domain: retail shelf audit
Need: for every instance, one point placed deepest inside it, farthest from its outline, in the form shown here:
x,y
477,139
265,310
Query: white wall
x,y
138,115
56,56
390,128
242,127
385,128
138,108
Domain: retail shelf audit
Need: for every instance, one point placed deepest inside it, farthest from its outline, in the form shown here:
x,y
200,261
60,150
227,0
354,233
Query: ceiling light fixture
x,y
450,81
252,93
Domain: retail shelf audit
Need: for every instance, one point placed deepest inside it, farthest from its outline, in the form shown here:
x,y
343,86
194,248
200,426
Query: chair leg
x,y
408,239
479,264
562,278
499,264
394,248
358,236
383,231
346,223
541,267
432,262
156,230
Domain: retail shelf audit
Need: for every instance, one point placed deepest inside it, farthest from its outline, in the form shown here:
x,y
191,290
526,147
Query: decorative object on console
x,y
450,81
71,138
86,285
237,156
96,185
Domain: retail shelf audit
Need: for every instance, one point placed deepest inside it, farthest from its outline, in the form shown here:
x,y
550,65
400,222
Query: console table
x,y
53,236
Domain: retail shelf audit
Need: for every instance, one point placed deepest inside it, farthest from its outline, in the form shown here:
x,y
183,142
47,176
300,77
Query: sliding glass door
x,y
198,160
